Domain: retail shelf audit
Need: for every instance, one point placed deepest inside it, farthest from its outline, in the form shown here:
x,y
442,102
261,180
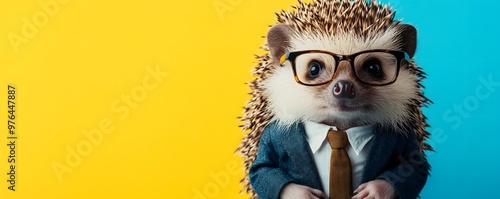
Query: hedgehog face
x,y
345,101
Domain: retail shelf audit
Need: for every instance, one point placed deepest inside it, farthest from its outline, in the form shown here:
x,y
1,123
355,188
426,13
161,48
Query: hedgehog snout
x,y
344,89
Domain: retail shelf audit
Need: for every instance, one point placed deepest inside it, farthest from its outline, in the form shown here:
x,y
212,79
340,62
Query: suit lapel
x,y
384,141
296,145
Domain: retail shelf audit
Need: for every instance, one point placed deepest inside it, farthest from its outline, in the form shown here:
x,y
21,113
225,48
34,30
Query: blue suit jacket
x,y
284,156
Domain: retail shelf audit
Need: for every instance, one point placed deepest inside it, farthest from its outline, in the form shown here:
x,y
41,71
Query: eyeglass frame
x,y
291,56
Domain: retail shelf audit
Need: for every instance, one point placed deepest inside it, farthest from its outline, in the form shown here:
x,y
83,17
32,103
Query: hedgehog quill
x,y
336,106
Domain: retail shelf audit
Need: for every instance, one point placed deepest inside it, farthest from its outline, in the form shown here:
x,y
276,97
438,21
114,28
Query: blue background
x,y
458,45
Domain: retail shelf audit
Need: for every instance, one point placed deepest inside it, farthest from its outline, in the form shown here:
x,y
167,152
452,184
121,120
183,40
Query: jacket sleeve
x,y
409,176
266,177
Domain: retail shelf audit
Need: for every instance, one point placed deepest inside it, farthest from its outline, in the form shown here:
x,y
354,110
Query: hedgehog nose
x,y
344,89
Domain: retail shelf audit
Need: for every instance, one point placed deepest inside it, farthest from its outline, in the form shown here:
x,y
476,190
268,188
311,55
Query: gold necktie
x,y
340,166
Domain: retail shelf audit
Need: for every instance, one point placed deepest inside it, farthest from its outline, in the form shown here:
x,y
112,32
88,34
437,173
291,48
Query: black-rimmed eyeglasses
x,y
374,67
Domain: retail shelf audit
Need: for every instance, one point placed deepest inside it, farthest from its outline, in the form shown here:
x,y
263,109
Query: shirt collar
x,y
358,136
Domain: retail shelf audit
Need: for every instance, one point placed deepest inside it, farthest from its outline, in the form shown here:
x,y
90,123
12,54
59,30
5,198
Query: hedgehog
x,y
341,66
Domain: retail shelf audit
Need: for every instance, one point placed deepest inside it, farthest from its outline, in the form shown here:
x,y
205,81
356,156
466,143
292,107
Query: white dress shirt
x,y
359,139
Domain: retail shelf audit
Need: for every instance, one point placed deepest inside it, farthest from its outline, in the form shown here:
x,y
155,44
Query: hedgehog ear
x,y
408,37
278,40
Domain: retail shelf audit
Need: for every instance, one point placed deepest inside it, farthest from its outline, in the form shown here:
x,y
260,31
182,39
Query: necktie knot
x,y
337,139
340,166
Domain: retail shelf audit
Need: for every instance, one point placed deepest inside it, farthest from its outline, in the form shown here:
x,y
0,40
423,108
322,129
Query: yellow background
x,y
84,57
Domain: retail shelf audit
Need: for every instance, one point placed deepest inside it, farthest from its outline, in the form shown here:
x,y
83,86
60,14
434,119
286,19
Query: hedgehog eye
x,y
373,67
315,68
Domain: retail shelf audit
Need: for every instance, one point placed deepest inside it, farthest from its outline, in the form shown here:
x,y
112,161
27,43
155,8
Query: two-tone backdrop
x,y
140,99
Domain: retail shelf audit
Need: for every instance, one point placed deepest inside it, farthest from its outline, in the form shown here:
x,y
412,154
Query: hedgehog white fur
x,y
287,98
344,27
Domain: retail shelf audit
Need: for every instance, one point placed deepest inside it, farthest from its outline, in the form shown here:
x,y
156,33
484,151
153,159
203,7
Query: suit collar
x,y
384,141
296,146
